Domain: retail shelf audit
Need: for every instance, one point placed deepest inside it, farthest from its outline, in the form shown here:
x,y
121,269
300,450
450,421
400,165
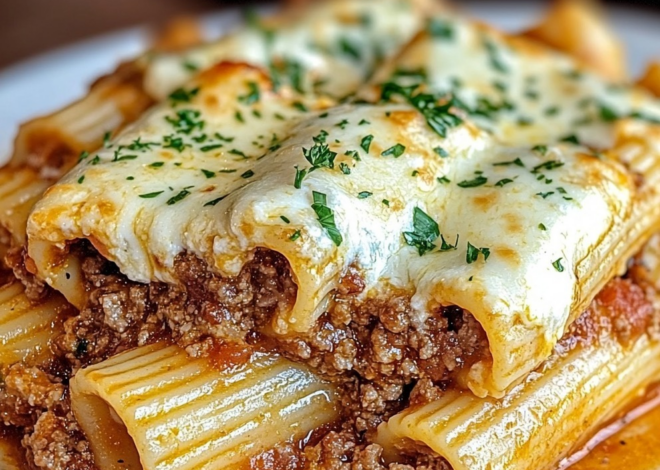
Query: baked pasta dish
x,y
356,235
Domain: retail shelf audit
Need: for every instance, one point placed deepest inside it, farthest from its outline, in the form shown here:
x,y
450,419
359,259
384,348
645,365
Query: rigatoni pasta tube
x,y
27,328
540,420
19,190
158,409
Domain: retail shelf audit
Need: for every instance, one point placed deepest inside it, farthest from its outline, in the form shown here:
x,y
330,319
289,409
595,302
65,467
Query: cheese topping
x,y
415,193
332,51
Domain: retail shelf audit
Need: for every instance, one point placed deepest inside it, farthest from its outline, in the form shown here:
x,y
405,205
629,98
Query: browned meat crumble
x,y
34,288
384,356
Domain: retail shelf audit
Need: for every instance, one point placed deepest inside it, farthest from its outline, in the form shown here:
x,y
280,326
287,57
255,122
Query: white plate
x,y
52,80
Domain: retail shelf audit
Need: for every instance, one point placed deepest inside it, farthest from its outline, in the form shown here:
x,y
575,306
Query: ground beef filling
x,y
38,403
384,355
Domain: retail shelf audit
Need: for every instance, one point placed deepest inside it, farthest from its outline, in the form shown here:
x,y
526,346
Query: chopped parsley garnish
x,y
344,168
494,57
517,162
130,178
644,117
300,106
342,124
138,145
542,149
349,48
121,158
253,95
395,151
443,180
190,66
239,153
83,155
106,139
223,138
95,161
320,156
208,148
472,254
247,174
227,171
440,151
440,29
239,116
549,165
545,195
366,142
473,183
209,174
607,114
295,236
551,111
175,143
503,182
353,154
425,232
542,227
156,164
81,179
151,195
179,197
571,139
364,195
289,69
438,116
363,122
186,121
214,201
300,176
285,219
326,217
558,266
386,202
181,95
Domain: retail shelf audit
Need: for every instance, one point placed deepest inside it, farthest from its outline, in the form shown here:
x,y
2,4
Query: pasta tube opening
x,y
169,412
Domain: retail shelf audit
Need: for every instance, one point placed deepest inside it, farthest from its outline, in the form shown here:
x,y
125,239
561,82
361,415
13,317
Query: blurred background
x,y
30,27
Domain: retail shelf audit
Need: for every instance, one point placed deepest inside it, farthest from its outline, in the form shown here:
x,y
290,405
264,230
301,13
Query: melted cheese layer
x,y
330,48
214,173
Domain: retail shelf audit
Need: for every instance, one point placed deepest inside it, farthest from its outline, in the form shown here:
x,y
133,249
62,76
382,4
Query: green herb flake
x,y
252,96
443,180
181,95
571,139
151,195
503,182
551,111
295,236
549,165
385,202
106,140
81,179
179,197
186,121
542,227
425,232
285,219
83,155
214,201
364,195
300,106
344,168
541,149
239,153
300,176
472,254
442,152
208,173
363,122
558,266
365,143
247,174
473,183
349,48
326,217
208,148
440,29
545,195
395,151
516,162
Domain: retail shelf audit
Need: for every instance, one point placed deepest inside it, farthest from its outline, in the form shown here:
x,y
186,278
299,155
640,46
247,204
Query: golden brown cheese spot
x,y
513,223
507,254
485,202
